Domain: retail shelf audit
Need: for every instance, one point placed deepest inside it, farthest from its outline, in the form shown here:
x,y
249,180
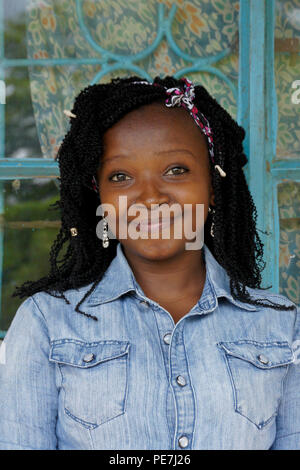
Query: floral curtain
x,y
287,70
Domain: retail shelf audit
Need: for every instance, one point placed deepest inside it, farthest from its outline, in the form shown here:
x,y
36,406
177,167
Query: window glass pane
x,y
29,230
14,28
21,139
287,70
289,258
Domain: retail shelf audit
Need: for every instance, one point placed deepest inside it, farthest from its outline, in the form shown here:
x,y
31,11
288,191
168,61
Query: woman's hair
x,y
236,244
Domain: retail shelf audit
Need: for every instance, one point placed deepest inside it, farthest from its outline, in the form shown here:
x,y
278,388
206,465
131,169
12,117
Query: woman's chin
x,y
155,249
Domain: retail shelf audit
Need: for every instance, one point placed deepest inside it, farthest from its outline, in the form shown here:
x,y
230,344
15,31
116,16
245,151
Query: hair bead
x,y
74,231
69,113
222,172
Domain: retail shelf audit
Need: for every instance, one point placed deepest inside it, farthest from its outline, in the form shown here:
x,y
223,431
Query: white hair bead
x,y
222,173
69,113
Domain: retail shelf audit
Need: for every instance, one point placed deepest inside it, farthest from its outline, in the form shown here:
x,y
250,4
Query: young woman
x,y
141,342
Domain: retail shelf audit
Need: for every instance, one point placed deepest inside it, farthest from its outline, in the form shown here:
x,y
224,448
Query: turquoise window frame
x,y
256,112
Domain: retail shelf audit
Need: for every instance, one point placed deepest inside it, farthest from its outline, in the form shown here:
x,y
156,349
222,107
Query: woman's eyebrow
x,y
176,151
115,157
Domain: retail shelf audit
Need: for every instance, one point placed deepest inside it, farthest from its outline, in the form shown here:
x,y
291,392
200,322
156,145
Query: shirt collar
x,y
119,279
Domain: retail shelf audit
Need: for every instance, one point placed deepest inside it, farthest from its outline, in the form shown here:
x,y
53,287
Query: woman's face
x,y
155,155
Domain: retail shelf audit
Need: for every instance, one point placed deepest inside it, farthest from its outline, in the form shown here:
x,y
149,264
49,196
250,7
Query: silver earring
x,y
105,239
212,225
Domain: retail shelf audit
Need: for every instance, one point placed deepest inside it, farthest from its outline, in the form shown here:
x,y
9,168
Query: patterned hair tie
x,y
183,97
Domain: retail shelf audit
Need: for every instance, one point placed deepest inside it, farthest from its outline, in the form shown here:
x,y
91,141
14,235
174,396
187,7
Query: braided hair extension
x,y
236,244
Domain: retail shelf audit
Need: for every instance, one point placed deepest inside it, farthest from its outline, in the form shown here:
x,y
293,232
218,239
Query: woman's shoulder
x,y
50,310
269,295
291,314
274,297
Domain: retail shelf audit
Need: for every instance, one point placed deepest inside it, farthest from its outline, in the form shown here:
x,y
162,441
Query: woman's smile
x,y
154,226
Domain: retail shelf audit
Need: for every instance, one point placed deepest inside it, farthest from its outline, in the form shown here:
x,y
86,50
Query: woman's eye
x,y
117,174
176,168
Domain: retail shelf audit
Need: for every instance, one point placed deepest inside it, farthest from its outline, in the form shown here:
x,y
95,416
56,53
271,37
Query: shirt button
x,y
181,380
263,359
167,338
144,302
88,357
183,441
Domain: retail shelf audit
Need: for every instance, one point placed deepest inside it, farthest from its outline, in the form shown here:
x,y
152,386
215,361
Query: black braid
x,y
236,244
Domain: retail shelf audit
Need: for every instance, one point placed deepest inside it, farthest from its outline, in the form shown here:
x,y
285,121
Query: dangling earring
x,y
212,225
105,239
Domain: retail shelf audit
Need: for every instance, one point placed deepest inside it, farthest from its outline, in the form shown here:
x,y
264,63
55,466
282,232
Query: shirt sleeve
x,y
288,418
28,393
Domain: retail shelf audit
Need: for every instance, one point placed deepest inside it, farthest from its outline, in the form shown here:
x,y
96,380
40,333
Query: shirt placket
x,y
182,389
180,398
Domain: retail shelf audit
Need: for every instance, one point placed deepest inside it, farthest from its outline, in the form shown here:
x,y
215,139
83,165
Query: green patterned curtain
x,y
287,69
289,259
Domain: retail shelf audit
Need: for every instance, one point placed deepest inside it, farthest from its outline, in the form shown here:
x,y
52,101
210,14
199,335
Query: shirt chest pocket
x,y
94,379
257,371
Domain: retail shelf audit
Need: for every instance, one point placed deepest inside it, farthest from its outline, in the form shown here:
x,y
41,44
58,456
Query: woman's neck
x,y
172,280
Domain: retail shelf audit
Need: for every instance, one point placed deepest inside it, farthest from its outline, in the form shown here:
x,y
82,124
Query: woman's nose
x,y
151,193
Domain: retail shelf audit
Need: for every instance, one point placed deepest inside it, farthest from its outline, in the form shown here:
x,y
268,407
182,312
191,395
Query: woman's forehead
x,y
154,122
151,134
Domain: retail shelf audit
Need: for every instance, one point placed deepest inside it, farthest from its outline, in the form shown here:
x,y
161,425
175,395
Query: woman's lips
x,y
155,226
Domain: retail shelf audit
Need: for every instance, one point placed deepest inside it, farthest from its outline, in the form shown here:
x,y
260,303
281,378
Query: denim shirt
x,y
225,376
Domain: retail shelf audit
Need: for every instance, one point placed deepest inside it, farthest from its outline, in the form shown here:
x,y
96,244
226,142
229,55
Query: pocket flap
x,y
263,355
81,354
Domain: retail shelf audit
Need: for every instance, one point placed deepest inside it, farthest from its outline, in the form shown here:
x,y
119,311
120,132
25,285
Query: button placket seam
x,y
166,372
191,393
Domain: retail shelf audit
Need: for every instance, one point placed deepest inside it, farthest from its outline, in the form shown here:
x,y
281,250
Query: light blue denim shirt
x,y
225,376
